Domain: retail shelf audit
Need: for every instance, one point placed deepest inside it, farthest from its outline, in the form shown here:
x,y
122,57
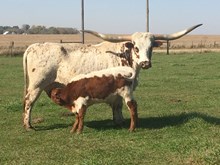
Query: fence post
x,y
11,46
82,21
168,45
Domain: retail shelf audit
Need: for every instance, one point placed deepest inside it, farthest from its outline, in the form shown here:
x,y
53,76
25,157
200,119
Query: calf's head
x,y
56,96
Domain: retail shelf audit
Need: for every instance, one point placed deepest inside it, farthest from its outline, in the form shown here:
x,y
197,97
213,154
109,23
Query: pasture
x,y
179,119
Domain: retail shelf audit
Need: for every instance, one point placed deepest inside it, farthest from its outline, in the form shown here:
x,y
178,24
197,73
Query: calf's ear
x,y
129,45
157,43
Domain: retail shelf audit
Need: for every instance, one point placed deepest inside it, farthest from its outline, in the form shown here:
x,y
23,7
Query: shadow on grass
x,y
148,123
51,127
157,122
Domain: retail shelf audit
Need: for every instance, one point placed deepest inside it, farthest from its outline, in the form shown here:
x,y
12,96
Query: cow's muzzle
x,y
145,65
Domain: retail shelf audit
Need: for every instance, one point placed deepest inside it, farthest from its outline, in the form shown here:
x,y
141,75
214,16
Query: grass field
x,y
178,106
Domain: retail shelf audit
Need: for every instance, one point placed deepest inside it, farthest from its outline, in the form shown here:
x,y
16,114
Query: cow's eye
x,y
136,49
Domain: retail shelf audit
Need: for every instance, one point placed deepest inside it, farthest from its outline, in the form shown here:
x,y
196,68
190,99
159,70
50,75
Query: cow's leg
x,y
81,115
132,106
29,101
116,106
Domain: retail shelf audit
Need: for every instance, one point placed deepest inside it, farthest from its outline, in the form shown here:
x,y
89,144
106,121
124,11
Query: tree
x,y
53,30
1,29
37,30
25,27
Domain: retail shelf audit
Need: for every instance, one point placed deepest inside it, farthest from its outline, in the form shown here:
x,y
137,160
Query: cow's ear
x,y
157,43
129,45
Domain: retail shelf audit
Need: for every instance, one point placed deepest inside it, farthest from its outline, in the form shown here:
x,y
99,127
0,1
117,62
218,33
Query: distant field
x,y
179,110
21,42
198,43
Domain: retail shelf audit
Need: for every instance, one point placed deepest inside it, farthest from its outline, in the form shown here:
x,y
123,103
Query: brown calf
x,y
97,87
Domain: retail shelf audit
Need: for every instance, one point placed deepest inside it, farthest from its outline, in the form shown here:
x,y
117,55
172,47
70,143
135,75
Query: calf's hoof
x,y
79,132
72,131
131,129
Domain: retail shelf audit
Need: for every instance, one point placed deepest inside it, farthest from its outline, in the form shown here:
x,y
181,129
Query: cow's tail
x,y
25,77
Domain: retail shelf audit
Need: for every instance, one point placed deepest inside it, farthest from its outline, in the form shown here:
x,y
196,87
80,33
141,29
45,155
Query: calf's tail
x,y
130,74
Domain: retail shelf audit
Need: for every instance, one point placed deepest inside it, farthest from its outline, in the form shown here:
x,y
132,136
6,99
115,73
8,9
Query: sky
x,y
115,16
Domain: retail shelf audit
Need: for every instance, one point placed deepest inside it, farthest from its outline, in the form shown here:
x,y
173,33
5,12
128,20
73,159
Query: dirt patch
x,y
37,120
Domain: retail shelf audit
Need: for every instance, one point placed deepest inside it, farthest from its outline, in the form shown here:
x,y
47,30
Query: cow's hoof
x,y
29,128
119,123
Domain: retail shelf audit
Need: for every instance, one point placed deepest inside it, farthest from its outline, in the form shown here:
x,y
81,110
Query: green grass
x,y
178,106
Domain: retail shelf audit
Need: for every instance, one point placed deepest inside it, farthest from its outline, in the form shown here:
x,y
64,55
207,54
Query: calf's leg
x,y
79,122
75,125
81,115
132,106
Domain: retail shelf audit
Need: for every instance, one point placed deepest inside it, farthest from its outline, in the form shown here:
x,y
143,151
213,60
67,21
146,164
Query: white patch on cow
x,y
78,103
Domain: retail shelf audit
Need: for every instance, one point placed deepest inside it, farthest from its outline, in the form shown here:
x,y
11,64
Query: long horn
x,y
175,36
109,37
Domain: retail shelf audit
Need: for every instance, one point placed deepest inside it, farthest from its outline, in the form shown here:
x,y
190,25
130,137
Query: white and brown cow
x,y
96,87
52,65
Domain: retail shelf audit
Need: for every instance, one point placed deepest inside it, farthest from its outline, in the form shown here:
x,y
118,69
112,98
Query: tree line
x,y
37,29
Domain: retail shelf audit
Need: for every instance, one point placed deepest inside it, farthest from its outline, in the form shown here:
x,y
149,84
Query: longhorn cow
x,y
53,65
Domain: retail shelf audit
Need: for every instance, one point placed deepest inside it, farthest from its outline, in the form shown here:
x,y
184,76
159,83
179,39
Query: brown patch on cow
x,y
33,69
125,54
94,87
130,60
128,52
63,50
137,56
